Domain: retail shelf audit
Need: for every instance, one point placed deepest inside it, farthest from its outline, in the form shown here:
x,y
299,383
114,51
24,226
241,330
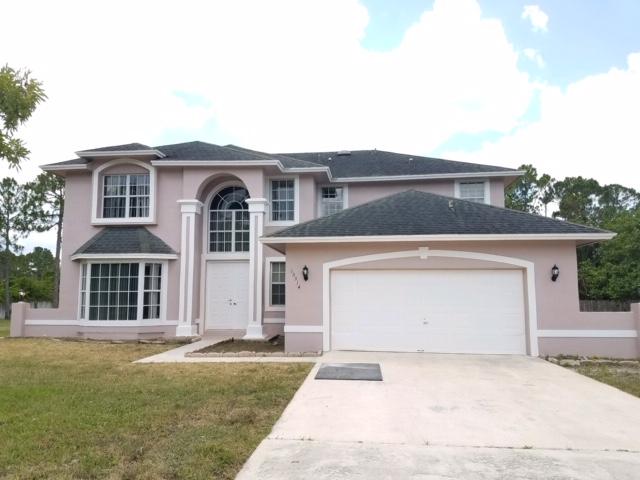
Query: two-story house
x,y
360,250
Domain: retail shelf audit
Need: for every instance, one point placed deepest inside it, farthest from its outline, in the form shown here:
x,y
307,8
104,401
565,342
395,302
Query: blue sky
x,y
583,37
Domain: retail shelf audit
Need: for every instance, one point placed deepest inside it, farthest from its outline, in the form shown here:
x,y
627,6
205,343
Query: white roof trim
x,y
124,256
430,176
71,166
442,238
119,153
327,170
214,163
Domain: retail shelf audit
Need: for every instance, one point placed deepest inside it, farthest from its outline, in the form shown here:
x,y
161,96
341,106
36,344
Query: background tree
x,y
578,200
47,210
31,274
15,223
612,271
19,96
530,193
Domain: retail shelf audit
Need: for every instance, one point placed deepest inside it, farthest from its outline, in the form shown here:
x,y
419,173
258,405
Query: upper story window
x,y
126,196
123,191
283,203
332,200
474,191
229,221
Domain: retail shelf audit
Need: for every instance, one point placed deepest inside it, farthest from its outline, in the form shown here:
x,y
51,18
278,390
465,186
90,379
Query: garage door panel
x,y
462,311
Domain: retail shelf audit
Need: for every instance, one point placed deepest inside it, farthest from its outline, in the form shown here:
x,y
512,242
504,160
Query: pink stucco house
x,y
361,250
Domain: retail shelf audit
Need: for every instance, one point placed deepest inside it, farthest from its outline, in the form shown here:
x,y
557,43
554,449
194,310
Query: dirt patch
x,y
274,345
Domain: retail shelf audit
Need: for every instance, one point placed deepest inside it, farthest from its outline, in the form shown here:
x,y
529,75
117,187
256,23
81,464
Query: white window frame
x,y
206,254
296,200
345,196
97,185
127,196
125,323
267,285
487,188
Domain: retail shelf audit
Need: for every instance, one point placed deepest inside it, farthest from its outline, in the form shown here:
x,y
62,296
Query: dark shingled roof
x,y
125,240
118,148
374,163
420,213
358,163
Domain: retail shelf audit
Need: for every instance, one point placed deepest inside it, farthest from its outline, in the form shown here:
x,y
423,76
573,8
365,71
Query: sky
x,y
502,82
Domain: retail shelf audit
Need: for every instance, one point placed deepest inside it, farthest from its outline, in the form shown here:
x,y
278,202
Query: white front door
x,y
445,311
227,295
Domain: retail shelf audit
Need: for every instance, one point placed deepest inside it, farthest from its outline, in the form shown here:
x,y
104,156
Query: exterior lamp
x,y
22,294
555,273
305,273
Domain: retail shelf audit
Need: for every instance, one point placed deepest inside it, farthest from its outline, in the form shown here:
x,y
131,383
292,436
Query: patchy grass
x,y
4,328
624,377
83,410
238,345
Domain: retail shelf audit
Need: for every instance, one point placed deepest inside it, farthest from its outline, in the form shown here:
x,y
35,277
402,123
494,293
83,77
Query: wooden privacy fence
x,y
606,305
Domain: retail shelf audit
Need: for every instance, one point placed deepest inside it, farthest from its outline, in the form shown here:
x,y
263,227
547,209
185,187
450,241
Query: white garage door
x,y
446,311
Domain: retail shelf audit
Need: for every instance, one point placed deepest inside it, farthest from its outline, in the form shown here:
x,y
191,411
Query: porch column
x,y
257,207
190,209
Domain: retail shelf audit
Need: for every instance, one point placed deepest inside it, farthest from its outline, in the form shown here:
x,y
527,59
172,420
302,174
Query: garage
x,y
439,311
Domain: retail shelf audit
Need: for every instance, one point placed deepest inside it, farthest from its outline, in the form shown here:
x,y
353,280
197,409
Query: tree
x,y
47,211
19,96
578,200
613,270
31,276
530,193
15,223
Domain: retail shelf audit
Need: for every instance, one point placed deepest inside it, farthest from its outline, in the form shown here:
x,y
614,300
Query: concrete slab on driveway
x,y
453,416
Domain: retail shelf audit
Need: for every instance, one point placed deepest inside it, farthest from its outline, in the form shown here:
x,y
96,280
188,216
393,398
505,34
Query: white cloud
x,y
534,55
589,129
538,18
280,75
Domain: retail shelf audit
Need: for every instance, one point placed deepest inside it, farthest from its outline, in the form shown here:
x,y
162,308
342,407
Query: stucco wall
x,y
557,302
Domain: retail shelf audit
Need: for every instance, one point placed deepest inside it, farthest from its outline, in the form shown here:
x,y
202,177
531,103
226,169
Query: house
x,y
355,250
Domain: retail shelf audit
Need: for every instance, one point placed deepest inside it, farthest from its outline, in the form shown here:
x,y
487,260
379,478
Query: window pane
x,y
331,200
278,278
113,292
282,200
152,291
472,191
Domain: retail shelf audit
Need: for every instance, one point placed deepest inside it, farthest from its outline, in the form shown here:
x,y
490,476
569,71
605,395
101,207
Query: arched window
x,y
229,221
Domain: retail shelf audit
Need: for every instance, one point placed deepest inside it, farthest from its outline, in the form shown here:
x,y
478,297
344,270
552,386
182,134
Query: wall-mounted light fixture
x,y
555,273
305,273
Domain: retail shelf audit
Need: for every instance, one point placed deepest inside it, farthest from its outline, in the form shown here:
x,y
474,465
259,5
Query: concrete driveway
x,y
453,417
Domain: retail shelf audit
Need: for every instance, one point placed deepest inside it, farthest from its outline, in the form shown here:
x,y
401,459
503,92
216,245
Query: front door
x,y
227,297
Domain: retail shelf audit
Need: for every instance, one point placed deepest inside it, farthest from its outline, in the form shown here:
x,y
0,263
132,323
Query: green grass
x,y
4,328
624,377
83,410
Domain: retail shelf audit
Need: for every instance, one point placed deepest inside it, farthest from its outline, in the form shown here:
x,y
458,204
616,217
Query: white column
x,y
257,207
189,209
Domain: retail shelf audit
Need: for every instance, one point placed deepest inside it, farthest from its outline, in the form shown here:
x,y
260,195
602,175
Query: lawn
x,y
83,410
4,328
624,377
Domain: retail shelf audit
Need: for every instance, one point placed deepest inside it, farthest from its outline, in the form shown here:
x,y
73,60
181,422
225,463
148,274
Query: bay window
x,y
121,291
